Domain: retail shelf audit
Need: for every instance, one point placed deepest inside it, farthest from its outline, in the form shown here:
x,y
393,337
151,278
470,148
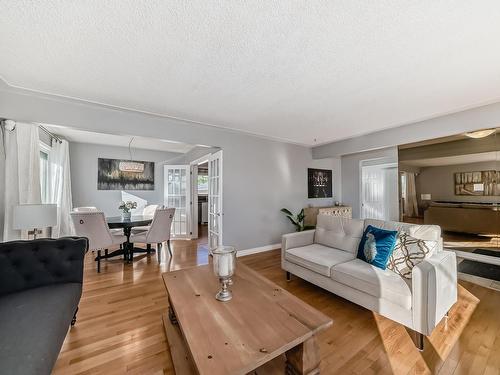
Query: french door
x,y
215,200
177,194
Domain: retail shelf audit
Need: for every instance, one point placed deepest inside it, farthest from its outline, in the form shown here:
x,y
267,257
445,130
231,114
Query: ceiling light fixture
x,y
480,133
131,166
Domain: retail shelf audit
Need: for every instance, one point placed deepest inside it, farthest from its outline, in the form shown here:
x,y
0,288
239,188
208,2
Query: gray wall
x,y
260,176
440,182
351,173
83,160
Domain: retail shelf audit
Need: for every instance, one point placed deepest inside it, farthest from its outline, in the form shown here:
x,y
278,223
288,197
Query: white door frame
x,y
194,194
215,215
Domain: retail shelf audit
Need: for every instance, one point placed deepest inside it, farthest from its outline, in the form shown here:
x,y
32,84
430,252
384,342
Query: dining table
x,y
128,249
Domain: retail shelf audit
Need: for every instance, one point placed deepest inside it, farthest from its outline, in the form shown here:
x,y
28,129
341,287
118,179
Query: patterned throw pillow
x,y
376,246
409,252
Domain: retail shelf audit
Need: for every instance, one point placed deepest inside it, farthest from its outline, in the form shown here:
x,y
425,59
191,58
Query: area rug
x,y
485,270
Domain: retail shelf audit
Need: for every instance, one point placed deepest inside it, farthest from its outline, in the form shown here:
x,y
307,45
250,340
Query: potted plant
x,y
125,207
297,220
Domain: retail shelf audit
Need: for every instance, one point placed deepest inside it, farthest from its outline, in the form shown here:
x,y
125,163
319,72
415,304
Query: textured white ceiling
x,y
292,70
74,135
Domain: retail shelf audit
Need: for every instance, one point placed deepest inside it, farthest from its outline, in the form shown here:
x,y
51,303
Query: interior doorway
x,y
379,191
195,190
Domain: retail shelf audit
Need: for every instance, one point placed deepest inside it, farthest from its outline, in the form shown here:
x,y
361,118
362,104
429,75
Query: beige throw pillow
x,y
409,252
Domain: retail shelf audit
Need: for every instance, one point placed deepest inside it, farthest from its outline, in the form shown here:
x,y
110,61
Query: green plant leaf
x,y
287,212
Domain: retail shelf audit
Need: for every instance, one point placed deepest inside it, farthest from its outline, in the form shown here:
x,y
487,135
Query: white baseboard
x,y
255,250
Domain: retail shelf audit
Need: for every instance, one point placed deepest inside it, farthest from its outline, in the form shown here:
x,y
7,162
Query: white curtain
x,y
411,206
60,188
21,173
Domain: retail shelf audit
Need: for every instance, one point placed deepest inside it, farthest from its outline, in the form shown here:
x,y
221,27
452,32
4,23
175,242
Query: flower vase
x,y
126,215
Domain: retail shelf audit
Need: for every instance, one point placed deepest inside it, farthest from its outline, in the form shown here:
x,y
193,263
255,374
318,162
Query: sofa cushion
x,y
33,325
374,281
422,232
317,258
338,232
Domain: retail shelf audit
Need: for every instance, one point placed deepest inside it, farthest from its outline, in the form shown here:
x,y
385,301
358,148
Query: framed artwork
x,y
319,183
485,183
112,175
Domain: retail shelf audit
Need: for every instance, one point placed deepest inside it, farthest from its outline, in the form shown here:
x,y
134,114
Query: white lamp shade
x,y
31,216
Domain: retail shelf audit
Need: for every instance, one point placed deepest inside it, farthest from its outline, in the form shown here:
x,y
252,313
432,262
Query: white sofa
x,y
326,257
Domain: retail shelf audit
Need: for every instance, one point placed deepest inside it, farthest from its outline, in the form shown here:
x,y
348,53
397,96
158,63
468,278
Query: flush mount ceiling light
x,y
131,166
480,133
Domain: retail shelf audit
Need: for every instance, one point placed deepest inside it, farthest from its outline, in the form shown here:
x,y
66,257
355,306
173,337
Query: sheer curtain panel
x,y
21,173
60,188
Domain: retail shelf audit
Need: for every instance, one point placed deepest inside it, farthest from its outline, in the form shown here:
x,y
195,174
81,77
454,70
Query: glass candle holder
x,y
224,262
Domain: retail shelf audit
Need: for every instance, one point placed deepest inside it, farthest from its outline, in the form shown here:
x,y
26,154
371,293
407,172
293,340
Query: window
x,y
44,173
202,184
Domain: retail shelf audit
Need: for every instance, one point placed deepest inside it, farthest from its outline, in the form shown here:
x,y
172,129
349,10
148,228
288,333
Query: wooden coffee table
x,y
263,329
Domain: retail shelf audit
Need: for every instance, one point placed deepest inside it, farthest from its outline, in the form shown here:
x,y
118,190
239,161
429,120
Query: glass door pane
x,y
177,195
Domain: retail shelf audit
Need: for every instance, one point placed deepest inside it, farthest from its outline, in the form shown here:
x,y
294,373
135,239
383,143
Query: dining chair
x,y
92,224
147,211
92,208
159,230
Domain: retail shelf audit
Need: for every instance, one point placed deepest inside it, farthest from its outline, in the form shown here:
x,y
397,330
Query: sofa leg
x,y
148,248
73,321
288,276
158,251
420,341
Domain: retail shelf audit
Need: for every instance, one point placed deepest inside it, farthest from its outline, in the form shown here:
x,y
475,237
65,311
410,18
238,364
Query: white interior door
x,y
215,200
379,194
372,193
177,194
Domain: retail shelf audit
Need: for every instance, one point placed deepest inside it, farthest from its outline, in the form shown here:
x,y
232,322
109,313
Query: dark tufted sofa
x,y
40,288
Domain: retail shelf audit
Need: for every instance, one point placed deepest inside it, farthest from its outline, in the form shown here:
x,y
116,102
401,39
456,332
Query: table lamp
x,y
34,217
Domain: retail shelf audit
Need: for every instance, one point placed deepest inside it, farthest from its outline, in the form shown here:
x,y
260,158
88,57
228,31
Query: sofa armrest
x,y
434,290
297,239
30,264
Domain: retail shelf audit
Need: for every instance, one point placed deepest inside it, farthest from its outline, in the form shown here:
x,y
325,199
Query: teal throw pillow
x,y
376,246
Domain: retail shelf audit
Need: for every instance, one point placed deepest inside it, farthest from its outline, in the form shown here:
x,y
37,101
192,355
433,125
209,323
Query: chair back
x,y
85,209
92,224
161,225
150,210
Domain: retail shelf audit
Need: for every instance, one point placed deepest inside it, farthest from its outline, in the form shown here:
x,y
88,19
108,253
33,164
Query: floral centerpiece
x,y
125,207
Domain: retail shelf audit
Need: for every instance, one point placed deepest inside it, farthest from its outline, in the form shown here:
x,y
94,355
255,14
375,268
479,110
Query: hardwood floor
x,y
119,328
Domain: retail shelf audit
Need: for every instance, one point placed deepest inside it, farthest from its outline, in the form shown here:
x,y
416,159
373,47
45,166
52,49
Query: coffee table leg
x,y
304,359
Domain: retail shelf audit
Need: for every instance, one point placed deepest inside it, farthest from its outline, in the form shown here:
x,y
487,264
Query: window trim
x,y
46,149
